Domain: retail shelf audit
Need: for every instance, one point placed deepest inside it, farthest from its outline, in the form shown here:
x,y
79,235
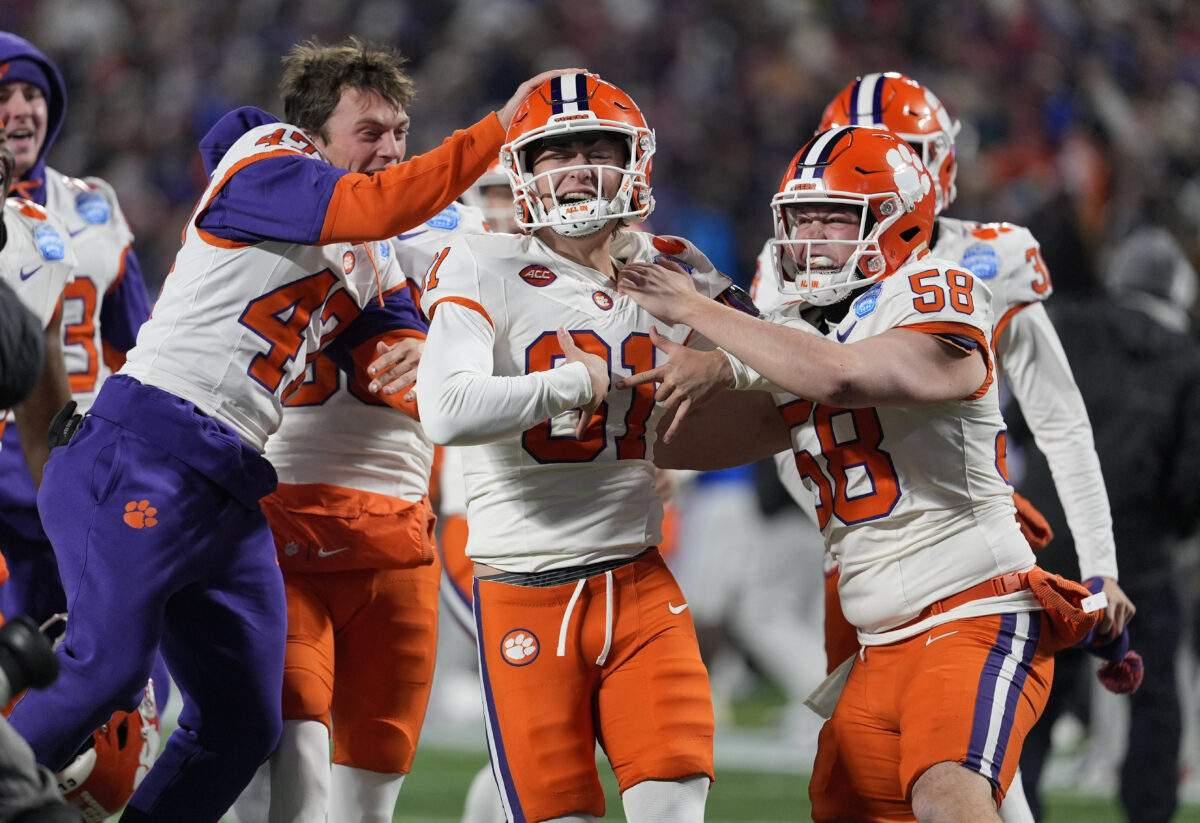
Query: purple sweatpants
x,y
153,512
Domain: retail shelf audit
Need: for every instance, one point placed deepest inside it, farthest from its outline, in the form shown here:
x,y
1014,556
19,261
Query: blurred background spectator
x,y
1086,105
1132,350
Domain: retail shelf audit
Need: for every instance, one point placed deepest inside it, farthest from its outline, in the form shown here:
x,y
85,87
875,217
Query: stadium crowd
x,y
1079,117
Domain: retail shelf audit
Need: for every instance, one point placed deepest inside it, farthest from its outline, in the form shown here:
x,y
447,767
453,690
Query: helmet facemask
x,y
816,277
575,215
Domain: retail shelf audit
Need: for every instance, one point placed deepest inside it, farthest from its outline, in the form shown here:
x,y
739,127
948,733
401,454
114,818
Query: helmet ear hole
x,y
908,234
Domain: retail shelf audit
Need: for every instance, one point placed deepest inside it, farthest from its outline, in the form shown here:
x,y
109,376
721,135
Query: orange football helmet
x,y
102,777
901,104
868,168
571,105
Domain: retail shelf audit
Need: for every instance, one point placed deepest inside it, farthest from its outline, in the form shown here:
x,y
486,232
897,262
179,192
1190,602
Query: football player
x,y
881,378
1028,354
353,530
280,257
526,331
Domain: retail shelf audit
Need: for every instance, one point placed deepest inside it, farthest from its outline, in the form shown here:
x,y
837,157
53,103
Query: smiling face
x,y
24,114
365,133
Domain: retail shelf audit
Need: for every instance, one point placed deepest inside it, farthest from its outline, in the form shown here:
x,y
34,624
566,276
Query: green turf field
x,y
434,791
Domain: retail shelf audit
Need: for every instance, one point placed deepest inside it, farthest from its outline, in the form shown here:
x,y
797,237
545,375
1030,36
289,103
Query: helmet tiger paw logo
x,y
113,762
520,647
139,514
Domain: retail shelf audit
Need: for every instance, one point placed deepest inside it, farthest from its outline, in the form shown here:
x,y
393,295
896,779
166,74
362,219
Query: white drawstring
x,y
608,617
562,630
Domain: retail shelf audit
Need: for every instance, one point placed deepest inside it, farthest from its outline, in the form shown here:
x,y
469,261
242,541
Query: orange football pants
x,y
967,691
553,687
360,652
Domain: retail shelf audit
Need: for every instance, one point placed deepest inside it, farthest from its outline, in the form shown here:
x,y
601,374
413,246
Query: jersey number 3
x,y
637,355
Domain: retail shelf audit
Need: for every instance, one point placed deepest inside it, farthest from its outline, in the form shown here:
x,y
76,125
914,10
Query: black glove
x,y
63,426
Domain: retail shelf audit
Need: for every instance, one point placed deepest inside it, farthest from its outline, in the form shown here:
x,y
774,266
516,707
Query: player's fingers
x,y
663,344
680,413
565,340
641,378
581,425
401,383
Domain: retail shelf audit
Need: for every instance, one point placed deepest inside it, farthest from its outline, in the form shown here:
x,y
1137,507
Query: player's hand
x,y
525,89
1116,614
663,289
688,378
395,367
598,372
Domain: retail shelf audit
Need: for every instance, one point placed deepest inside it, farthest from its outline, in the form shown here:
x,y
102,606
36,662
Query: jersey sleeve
x,y
288,195
126,306
462,401
1033,361
1009,259
932,297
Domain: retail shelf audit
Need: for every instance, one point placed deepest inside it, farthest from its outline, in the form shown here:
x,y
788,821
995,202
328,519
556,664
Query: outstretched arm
x,y
900,367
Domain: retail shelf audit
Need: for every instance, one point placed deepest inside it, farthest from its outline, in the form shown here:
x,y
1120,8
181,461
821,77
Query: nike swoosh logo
x,y
939,637
841,338
410,235
77,231
323,553
676,609
25,275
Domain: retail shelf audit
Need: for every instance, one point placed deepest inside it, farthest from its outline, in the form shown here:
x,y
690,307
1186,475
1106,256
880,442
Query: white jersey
x,y
38,260
493,379
97,226
234,323
1030,358
912,500
417,248
338,434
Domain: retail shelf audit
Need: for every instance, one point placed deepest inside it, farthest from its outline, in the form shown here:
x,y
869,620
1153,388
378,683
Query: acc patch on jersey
x,y
520,647
537,275
93,207
447,219
865,304
982,260
49,242
385,250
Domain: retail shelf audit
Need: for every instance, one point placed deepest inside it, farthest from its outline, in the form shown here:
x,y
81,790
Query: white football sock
x,y
300,774
483,800
666,801
363,796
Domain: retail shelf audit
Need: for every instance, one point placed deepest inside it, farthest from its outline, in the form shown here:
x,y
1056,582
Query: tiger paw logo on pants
x,y
139,514
520,647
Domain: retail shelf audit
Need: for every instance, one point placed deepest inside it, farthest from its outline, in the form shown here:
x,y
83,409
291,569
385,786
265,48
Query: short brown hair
x,y
314,76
